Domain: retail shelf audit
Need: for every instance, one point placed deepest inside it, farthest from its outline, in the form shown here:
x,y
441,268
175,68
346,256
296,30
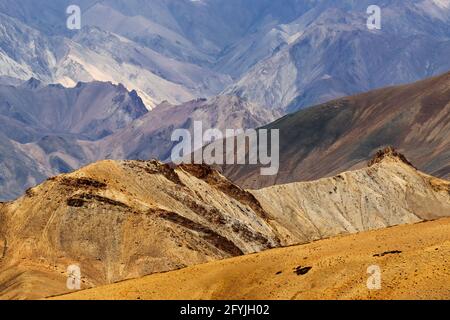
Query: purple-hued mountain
x,y
281,54
45,130
229,63
49,129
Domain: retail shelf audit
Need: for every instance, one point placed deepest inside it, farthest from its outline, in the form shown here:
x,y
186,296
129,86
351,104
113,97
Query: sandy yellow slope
x,y
414,260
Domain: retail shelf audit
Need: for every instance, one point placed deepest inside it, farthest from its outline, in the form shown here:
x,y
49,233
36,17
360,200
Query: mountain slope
x,y
342,134
92,110
287,56
126,219
413,260
94,54
389,192
52,129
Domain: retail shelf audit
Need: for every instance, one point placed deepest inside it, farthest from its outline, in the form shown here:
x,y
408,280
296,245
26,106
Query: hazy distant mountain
x,y
46,130
50,129
150,136
94,54
329,52
284,54
91,110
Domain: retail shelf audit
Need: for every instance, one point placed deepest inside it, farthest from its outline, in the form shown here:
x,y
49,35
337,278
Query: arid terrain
x,y
344,134
118,181
414,262
120,220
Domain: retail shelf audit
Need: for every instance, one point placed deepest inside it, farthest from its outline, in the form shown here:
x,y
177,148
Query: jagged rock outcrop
x,y
388,152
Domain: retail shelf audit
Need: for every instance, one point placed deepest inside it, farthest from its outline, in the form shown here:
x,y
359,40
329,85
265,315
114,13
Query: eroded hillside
x,y
125,219
344,134
120,220
390,191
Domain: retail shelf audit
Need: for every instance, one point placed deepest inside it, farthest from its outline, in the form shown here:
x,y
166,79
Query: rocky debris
x,y
81,199
440,185
387,252
156,167
82,183
29,192
217,218
218,181
208,212
300,271
252,236
75,202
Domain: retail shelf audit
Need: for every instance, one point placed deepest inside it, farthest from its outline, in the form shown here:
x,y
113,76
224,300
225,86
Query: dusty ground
x,y
414,260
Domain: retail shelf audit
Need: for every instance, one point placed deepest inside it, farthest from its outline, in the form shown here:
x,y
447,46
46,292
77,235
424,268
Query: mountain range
x,y
50,129
87,178
125,219
343,134
41,127
287,56
71,127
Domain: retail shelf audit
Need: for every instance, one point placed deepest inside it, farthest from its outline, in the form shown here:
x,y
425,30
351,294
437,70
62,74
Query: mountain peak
x,y
32,83
388,152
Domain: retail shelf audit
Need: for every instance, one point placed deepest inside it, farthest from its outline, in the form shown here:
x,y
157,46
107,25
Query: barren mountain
x,y
50,129
46,130
93,54
120,220
289,54
90,110
150,136
343,134
389,192
414,263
